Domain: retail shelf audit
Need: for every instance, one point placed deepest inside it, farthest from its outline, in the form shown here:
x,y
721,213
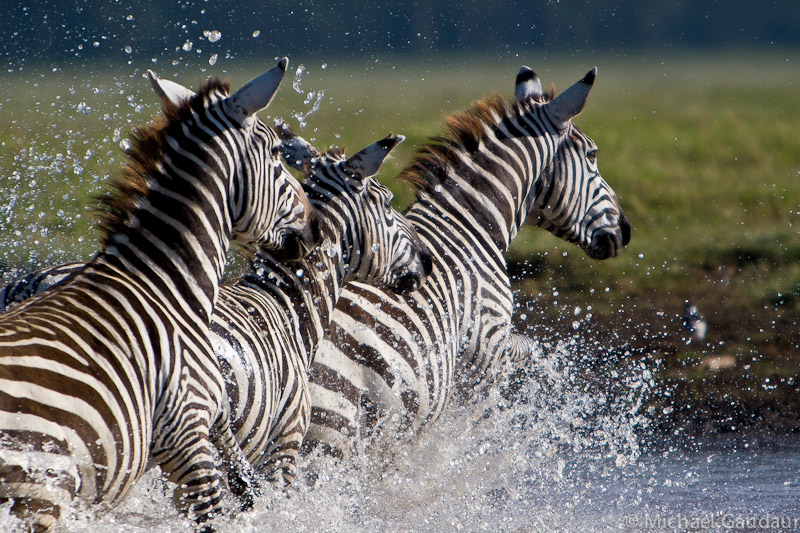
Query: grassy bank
x,y
704,153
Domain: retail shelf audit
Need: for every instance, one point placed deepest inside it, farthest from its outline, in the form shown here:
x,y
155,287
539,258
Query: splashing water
x,y
298,79
301,117
513,460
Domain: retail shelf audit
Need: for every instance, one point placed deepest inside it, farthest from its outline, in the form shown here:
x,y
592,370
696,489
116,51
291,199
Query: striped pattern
x,y
267,326
115,366
501,164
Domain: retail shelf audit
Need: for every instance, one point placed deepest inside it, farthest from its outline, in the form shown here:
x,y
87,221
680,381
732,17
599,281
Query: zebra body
x,y
114,366
503,163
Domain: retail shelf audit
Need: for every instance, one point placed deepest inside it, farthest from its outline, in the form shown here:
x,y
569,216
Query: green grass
x,y
704,154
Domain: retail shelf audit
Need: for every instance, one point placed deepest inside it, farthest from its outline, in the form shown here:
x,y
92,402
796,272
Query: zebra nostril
x,y
603,246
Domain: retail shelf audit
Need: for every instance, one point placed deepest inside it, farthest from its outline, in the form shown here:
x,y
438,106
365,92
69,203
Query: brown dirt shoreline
x,y
743,379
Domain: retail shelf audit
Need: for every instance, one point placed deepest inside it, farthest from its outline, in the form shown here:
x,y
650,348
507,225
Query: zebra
x,y
266,326
500,165
115,366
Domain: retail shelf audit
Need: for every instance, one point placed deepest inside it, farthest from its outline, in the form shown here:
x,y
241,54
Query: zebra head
x,y
575,202
379,246
268,206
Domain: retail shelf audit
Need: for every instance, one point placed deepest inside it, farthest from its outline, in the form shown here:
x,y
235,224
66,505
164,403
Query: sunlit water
x,y
565,453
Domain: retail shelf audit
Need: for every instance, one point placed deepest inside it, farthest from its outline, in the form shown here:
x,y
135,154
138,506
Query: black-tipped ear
x,y
527,85
258,92
368,161
570,103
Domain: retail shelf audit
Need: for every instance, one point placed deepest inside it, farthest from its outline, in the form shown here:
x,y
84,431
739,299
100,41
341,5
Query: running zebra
x,y
501,164
266,327
115,365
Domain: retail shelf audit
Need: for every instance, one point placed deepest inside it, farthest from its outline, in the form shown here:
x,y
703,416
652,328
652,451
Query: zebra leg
x,y
242,478
280,466
521,348
188,461
34,490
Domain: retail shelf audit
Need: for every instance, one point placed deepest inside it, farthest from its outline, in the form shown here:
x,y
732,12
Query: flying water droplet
x,y
298,78
256,33
213,59
212,35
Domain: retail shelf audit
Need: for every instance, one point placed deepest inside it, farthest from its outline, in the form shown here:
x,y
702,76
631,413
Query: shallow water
x,y
565,454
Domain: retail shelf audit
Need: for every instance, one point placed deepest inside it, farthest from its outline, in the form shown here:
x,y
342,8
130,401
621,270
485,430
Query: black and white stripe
x,y
115,366
502,163
267,326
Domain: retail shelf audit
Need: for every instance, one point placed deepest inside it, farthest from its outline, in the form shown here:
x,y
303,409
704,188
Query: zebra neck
x,y
487,192
172,240
308,288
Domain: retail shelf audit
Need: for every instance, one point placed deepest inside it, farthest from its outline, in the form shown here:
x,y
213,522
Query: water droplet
x,y
256,33
438,188
324,66
187,46
298,78
213,59
376,248
125,144
128,49
299,273
212,35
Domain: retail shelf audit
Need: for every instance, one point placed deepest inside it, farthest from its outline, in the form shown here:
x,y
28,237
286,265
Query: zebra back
x,y
499,165
115,365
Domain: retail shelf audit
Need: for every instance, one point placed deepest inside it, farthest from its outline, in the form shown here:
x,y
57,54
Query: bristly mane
x,y
144,157
463,132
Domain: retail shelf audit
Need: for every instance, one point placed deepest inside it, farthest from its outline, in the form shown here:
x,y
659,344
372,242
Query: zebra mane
x,y
463,132
144,158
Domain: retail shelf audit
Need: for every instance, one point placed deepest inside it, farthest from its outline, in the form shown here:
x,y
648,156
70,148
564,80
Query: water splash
x,y
298,79
525,456
301,117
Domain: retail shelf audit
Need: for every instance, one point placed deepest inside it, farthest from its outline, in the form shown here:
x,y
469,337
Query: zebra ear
x,y
570,103
368,161
169,91
527,85
258,92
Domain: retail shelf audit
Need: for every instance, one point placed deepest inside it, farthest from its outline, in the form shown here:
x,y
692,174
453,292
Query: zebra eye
x,y
592,156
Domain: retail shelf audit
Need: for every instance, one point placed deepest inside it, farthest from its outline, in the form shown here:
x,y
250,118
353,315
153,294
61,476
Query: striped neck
x,y
168,222
484,177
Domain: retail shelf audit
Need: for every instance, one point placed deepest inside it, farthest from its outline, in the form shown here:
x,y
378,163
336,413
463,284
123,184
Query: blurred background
x,y
696,112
